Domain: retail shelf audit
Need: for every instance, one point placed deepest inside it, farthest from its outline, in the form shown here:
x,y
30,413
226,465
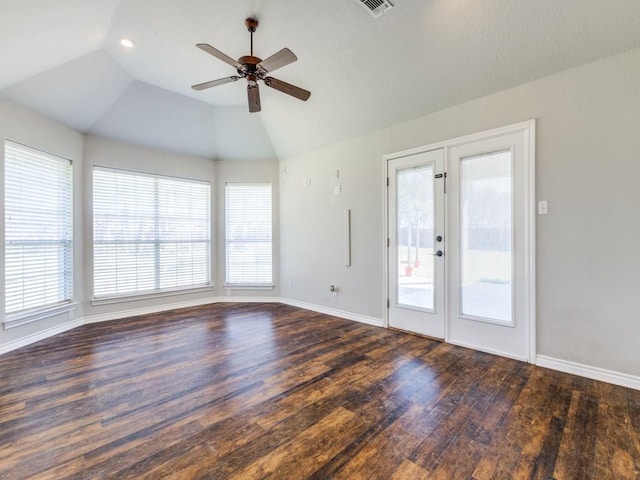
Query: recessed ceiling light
x,y
127,42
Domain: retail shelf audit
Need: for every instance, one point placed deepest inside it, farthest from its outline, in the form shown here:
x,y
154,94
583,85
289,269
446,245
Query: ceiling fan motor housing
x,y
250,64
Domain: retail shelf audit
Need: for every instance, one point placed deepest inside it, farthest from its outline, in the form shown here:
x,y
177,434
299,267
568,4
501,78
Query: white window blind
x,y
150,233
248,231
38,196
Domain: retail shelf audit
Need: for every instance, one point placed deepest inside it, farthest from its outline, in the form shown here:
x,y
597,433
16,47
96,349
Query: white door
x,y
415,233
489,269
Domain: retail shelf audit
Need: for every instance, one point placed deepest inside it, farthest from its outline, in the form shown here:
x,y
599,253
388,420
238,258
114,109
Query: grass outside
x,y
484,266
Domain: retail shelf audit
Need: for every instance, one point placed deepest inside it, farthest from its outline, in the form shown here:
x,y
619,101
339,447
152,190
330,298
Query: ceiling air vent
x,y
376,7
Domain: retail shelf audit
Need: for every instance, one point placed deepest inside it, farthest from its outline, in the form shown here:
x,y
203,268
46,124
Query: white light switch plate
x,y
543,207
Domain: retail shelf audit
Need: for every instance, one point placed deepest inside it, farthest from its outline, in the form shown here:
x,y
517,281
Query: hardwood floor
x,y
238,391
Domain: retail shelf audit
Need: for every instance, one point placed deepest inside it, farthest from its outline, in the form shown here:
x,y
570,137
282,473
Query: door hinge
x,y
387,181
388,243
387,303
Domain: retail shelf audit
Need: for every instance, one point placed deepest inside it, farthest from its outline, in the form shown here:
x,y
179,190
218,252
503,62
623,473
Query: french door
x,y
416,243
460,241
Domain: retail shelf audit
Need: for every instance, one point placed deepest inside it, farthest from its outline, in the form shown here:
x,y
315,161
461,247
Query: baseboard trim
x,y
105,317
587,371
38,336
565,366
356,317
135,312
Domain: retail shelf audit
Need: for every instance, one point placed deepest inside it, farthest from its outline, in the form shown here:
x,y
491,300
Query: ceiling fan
x,y
254,69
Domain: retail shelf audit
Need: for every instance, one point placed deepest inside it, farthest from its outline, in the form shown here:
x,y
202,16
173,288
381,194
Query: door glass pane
x,y
415,221
485,236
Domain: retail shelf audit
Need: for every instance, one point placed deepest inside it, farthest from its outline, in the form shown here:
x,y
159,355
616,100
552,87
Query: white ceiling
x,y
63,59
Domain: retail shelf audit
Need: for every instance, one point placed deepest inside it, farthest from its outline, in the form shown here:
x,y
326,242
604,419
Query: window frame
x,y
66,239
157,291
251,285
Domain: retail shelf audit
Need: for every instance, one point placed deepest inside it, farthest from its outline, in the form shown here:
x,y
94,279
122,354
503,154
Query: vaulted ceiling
x,y
63,59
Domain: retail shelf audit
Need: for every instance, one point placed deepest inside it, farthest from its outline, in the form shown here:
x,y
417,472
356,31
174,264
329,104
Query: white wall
x,y
588,168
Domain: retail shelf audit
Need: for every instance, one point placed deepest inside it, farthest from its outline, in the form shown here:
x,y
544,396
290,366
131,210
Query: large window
x,y
151,233
248,234
38,232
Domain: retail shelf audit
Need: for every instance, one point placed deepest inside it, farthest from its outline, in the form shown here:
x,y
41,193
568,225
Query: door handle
x,y
439,253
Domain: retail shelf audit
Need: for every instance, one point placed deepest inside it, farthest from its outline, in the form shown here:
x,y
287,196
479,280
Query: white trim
x,y
587,371
36,337
356,317
457,141
488,350
231,299
249,286
105,317
527,127
146,296
34,316
530,235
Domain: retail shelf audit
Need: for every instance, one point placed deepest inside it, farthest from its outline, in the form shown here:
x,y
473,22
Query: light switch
x,y
337,190
543,207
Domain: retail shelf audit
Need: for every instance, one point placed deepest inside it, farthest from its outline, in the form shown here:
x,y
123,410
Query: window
x,y
38,195
248,234
486,232
151,234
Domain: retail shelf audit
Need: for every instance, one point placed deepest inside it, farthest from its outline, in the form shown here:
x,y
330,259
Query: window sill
x,y
146,296
240,286
34,316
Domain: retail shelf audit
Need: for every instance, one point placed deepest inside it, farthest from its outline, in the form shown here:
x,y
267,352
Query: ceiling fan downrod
x,y
252,25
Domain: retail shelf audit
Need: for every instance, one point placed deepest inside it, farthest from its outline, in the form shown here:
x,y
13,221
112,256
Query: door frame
x,y
528,129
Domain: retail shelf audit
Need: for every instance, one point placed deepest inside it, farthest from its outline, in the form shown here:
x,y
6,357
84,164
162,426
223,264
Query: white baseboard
x,y
36,337
587,371
134,312
232,299
376,322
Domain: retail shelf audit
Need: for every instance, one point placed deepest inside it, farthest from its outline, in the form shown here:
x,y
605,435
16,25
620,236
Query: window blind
x,y
151,233
38,199
248,231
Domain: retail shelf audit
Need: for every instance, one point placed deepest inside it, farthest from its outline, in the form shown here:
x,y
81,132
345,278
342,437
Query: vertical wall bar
x,y
347,237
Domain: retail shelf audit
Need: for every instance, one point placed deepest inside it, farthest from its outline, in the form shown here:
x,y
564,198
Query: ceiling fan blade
x,y
277,60
287,88
219,55
215,83
254,97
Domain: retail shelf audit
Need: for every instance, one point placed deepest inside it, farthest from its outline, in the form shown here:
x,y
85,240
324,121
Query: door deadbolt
x,y
439,238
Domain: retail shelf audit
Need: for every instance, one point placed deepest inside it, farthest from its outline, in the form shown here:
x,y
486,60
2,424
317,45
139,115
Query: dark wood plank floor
x,y
243,391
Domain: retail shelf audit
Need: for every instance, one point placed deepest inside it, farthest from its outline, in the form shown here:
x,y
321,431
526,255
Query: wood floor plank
x,y
272,391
